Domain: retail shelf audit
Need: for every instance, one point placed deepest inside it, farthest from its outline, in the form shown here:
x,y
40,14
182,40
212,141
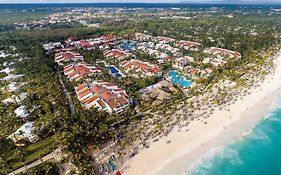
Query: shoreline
x,y
187,149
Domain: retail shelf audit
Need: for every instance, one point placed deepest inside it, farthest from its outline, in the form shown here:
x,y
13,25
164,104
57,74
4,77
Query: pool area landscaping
x,y
179,80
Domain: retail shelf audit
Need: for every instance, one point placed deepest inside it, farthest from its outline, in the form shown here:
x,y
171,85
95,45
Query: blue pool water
x,y
179,79
127,45
114,71
258,153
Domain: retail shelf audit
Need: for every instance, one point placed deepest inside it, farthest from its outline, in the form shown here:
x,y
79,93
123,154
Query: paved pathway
x,y
66,93
50,156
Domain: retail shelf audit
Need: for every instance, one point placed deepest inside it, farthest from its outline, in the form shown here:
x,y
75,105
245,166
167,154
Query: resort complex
x,y
137,89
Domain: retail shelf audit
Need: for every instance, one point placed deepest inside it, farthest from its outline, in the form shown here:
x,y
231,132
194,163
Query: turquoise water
x,y
258,153
179,79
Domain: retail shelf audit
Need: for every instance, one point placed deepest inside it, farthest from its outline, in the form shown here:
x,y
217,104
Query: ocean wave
x,y
218,156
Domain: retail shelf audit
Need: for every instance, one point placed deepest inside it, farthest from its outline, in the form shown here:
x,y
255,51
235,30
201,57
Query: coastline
x,y
187,149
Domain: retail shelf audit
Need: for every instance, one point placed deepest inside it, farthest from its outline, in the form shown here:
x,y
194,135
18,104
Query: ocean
x,y
258,152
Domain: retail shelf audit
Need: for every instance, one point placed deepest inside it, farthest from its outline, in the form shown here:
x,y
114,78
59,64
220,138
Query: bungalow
x,y
140,67
116,54
67,56
24,135
102,95
78,71
222,53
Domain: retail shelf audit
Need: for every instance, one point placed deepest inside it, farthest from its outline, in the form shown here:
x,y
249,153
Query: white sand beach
x,y
186,148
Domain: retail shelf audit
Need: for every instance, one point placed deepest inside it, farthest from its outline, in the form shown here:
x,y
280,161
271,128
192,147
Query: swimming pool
x,y
128,45
114,71
179,79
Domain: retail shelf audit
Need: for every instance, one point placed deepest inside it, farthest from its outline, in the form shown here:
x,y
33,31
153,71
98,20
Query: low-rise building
x,y
116,54
24,135
188,45
222,53
142,37
51,45
181,62
158,92
78,71
140,68
215,61
164,39
102,95
67,56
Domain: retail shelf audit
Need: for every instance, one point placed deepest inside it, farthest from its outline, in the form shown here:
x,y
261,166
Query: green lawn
x,y
32,152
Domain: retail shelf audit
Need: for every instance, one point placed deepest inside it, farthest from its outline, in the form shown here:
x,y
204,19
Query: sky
x,y
136,1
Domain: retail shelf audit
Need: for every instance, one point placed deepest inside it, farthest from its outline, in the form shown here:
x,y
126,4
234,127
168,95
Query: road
x,y
66,93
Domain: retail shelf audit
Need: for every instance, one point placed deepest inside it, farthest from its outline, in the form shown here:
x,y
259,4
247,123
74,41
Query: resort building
x,y
188,45
181,62
163,39
102,95
215,61
86,44
195,72
158,92
67,56
168,49
24,135
222,53
51,45
101,42
116,54
139,67
78,71
57,50
22,113
142,37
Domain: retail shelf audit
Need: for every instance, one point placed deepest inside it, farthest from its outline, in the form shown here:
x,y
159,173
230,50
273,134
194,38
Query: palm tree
x,y
3,165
